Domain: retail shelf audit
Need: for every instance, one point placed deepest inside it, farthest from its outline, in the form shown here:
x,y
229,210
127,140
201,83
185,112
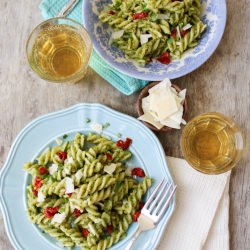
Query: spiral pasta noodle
x,y
142,29
81,194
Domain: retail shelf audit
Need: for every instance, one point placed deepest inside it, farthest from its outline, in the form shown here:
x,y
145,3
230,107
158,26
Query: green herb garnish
x,y
65,136
88,120
106,125
35,161
119,135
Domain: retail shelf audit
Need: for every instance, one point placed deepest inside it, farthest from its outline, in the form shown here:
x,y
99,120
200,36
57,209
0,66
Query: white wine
x,y
212,143
58,51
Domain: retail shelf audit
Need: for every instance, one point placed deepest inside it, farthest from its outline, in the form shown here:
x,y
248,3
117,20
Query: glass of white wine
x,y
212,143
59,50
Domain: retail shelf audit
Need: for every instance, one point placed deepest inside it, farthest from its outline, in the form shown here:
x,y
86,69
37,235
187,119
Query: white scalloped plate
x,y
37,135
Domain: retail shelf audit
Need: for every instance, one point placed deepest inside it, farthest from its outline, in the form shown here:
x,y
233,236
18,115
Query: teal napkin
x,y
125,84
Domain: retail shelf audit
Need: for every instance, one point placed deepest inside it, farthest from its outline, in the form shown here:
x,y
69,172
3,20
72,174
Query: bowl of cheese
x,y
162,106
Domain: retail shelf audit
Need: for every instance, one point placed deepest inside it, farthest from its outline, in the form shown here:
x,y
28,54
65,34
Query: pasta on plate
x,y
82,194
148,30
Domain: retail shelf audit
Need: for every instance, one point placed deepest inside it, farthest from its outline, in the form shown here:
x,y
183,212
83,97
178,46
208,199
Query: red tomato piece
x,y
62,155
109,156
85,232
136,215
124,144
35,192
77,212
50,211
127,143
183,33
164,58
140,15
38,182
109,229
138,172
42,170
174,33
70,194
120,144
111,12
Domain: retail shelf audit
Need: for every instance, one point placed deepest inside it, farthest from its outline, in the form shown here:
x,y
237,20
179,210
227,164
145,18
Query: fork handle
x,y
134,238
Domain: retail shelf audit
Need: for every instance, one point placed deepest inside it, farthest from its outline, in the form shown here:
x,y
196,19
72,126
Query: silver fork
x,y
154,209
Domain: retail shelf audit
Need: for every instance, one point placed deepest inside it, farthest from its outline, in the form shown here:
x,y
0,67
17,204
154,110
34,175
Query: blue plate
x,y
37,135
213,14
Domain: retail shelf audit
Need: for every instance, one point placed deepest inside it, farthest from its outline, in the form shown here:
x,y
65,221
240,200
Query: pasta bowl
x,y
41,133
213,15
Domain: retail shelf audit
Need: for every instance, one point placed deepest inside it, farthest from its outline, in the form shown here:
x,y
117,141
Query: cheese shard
x,y
182,94
110,169
164,104
40,197
58,218
69,185
96,127
165,84
53,168
150,119
79,175
59,141
145,104
171,123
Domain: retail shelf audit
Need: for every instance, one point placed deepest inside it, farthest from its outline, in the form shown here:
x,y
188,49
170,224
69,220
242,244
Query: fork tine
x,y
167,202
163,198
153,205
153,194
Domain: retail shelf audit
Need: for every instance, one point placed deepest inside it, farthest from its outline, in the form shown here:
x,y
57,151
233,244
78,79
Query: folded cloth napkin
x,y
200,220
125,84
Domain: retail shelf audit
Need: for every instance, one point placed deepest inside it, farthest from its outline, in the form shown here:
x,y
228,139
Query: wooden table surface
x,y
222,84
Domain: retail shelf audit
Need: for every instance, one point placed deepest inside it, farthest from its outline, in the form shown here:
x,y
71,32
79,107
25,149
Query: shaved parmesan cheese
x,y
187,26
150,119
117,34
70,160
128,171
59,141
58,218
144,38
69,186
66,170
177,117
79,175
110,168
40,197
53,168
170,123
163,16
163,106
146,104
182,94
96,127
160,86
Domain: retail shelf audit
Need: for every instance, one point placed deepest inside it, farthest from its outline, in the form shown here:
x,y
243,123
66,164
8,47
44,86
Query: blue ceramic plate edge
x,y
175,75
29,126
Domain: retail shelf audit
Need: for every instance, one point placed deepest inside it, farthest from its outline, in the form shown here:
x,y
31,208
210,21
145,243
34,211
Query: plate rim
x,y
7,164
153,77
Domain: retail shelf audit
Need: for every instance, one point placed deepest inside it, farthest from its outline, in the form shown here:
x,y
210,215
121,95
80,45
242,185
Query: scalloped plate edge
x,y
60,112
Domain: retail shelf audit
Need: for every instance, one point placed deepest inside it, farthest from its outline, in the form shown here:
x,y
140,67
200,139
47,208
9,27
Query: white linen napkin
x,y
200,220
